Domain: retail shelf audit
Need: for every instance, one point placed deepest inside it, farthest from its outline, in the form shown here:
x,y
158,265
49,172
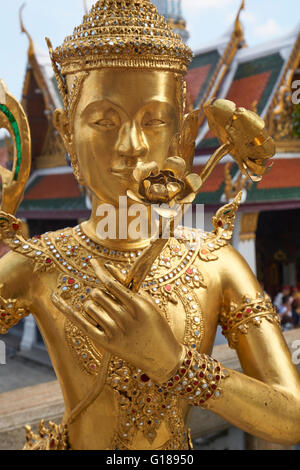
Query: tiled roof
x,y
199,75
213,188
53,192
282,183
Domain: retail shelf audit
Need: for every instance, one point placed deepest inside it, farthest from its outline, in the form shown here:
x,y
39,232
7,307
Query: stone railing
x,y
30,404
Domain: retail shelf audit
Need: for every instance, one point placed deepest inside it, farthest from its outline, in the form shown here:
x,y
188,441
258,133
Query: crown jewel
x,y
122,33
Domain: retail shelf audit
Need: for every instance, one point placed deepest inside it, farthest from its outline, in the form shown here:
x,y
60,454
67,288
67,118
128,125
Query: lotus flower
x,y
171,185
245,132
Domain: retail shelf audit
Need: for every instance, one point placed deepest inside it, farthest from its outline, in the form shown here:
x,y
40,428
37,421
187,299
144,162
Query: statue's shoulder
x,y
210,243
38,252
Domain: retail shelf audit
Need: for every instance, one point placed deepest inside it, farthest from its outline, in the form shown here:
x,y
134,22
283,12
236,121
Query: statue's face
x,y
123,117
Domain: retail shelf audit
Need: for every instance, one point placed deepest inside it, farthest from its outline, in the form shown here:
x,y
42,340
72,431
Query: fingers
x,y
80,321
122,294
100,271
111,306
101,318
115,272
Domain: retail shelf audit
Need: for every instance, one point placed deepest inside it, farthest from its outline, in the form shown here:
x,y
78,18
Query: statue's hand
x,y
128,325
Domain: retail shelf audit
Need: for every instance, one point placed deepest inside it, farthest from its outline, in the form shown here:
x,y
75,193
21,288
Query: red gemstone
x,y
3,315
189,389
217,377
201,375
203,366
196,383
183,371
168,288
48,261
38,236
176,378
248,310
148,400
15,227
52,443
218,369
208,395
201,402
63,236
224,328
132,411
71,282
213,386
204,252
145,378
220,223
73,250
163,406
126,380
188,362
190,353
170,384
189,271
239,315
166,260
149,422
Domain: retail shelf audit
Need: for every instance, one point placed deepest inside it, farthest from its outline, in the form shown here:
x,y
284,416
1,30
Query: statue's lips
x,y
123,172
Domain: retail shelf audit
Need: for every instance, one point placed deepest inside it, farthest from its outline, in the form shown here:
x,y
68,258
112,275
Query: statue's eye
x,y
154,123
107,123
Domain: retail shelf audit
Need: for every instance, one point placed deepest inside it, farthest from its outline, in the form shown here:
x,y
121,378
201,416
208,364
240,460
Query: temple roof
x,y
53,193
40,97
259,78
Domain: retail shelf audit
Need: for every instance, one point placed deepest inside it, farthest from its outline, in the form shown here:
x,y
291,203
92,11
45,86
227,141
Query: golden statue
x,y
129,323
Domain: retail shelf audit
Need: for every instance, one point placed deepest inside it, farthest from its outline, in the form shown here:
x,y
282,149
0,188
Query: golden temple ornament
x,y
130,323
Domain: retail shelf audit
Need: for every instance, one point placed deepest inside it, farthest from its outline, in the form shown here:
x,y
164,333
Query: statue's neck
x,y
117,225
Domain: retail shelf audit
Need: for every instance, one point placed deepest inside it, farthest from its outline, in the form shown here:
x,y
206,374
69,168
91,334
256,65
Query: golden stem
x,y
214,160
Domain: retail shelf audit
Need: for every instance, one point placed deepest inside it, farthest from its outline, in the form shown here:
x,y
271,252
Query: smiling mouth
x,y
123,172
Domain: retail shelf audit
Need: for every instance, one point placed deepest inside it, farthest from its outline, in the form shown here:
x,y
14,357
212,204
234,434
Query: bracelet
x,y
198,379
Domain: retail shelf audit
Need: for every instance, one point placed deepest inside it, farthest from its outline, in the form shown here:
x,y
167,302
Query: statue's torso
x,y
130,412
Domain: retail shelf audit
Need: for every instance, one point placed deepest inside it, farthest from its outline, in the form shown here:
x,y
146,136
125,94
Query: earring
x,y
75,166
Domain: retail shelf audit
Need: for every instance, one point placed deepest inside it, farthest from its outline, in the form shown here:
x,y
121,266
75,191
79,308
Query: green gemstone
x,y
17,137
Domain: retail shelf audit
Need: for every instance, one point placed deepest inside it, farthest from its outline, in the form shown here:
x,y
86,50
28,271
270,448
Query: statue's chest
x,y
174,283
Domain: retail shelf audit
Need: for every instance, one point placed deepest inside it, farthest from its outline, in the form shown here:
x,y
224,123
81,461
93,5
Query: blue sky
x,y
207,20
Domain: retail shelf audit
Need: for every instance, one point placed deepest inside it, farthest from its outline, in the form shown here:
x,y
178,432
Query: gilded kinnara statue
x,y
129,323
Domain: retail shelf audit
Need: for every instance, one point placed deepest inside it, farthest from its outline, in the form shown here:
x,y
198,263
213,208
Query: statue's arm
x,y
15,290
265,400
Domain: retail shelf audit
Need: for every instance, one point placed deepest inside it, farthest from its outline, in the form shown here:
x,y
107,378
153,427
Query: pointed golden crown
x,y
122,33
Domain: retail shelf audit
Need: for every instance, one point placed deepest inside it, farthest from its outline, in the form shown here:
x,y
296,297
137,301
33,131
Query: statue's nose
x,y
131,142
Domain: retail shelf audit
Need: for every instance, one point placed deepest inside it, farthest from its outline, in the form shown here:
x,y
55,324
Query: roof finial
x,y
24,30
238,29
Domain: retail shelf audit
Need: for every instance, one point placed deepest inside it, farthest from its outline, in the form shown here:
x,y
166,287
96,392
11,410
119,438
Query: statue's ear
x,y
61,123
188,136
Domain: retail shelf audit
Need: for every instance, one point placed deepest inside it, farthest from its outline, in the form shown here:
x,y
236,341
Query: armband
x,y
250,312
